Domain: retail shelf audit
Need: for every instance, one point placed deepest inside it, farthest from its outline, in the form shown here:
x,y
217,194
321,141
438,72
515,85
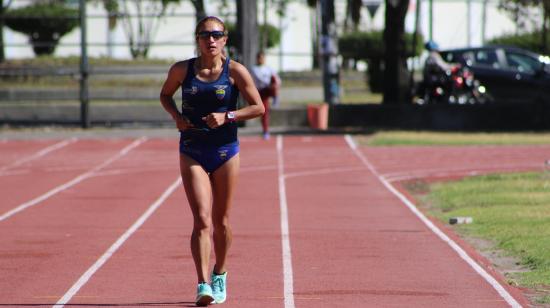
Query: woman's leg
x,y
199,195
224,180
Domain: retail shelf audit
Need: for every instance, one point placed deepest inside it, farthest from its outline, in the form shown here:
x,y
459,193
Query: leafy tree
x,y
521,12
141,24
44,23
3,8
353,12
529,41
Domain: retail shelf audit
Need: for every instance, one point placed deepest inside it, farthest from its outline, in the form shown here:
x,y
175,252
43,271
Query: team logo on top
x,y
220,91
193,90
223,154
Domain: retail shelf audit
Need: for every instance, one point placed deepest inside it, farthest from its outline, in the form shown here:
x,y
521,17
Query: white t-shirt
x,y
262,76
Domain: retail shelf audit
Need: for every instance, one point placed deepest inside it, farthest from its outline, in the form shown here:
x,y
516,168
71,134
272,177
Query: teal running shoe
x,y
204,294
218,287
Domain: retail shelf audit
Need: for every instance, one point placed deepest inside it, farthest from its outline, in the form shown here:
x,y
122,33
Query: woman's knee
x,y
221,223
202,223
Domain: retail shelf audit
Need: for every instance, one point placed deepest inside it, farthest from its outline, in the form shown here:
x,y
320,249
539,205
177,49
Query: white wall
x,y
449,31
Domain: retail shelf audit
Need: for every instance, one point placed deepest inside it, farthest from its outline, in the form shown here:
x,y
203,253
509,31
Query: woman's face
x,y
211,38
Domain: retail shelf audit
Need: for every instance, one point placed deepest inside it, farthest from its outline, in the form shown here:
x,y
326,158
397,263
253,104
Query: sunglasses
x,y
214,34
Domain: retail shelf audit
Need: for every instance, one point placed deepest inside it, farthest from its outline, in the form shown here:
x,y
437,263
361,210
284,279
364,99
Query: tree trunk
x,y
396,75
247,27
200,12
545,8
2,54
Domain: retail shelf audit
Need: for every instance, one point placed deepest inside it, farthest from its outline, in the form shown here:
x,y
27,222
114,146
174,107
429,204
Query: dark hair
x,y
209,18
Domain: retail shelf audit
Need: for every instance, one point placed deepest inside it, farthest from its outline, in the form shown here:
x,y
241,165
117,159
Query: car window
x,y
462,57
522,63
486,58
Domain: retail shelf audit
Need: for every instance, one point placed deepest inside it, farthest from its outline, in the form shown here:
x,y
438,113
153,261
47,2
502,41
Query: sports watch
x,y
230,116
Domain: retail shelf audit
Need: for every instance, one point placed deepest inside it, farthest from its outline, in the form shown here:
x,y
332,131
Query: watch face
x,y
231,115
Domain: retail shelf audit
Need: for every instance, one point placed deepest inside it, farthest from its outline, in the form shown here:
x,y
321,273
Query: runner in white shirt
x,y
268,82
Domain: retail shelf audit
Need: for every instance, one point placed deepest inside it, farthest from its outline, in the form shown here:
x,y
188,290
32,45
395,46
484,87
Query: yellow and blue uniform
x,y
210,147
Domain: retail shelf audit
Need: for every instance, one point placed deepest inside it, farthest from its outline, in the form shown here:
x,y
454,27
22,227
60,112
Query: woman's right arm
x,y
176,75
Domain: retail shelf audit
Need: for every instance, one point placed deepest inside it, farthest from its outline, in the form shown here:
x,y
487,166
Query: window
x,y
522,63
486,58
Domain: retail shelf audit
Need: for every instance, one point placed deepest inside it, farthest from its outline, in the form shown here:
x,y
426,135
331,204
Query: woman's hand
x,y
215,119
183,122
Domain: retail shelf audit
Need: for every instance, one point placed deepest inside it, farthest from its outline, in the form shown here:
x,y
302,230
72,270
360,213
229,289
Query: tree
x,y
521,13
111,6
200,12
314,31
247,29
3,9
44,23
353,12
396,74
141,23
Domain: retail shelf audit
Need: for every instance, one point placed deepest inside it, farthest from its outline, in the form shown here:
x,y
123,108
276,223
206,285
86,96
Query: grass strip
x,y
511,211
419,138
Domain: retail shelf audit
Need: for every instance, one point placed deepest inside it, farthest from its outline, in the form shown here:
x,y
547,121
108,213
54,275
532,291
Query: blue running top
x,y
200,98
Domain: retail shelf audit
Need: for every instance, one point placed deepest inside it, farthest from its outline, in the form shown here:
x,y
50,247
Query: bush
x,y
43,23
369,46
530,41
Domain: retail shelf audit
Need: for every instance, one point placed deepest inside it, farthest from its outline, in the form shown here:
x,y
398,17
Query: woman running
x,y
209,147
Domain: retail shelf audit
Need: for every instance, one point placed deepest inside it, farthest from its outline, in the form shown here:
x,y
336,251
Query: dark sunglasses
x,y
215,34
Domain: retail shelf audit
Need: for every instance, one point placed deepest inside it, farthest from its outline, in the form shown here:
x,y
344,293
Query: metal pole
x,y
469,22
281,43
431,19
483,22
84,98
329,50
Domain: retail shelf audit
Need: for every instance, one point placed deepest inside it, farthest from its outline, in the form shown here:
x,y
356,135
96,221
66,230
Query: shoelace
x,y
217,282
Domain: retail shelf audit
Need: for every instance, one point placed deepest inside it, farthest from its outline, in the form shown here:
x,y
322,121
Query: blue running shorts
x,y
210,157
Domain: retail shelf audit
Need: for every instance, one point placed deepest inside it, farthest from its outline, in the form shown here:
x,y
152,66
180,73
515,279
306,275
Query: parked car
x,y
509,74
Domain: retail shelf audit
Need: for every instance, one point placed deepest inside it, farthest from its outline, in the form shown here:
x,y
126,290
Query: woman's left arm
x,y
243,80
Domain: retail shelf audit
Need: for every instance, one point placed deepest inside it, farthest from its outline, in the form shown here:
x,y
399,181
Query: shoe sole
x,y
204,300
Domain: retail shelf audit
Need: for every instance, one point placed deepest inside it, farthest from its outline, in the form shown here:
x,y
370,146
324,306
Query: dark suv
x,y
510,74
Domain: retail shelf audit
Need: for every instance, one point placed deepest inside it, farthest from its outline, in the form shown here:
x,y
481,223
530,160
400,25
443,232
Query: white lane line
x,y
285,237
72,182
38,154
492,281
116,245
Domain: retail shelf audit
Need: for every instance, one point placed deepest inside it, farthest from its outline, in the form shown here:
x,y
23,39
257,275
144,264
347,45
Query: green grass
x,y
390,138
510,210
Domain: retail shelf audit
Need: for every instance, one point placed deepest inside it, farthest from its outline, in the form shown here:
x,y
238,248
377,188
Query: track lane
x,y
14,150
406,162
49,173
155,266
352,258
22,158
353,247
48,248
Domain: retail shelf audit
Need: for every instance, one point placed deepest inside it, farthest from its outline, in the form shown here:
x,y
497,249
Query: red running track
x,y
317,222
